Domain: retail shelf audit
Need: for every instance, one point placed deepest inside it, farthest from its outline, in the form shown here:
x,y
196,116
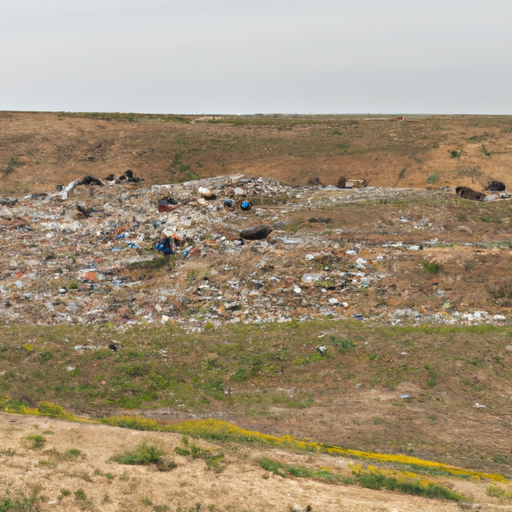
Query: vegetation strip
x,y
217,430
371,479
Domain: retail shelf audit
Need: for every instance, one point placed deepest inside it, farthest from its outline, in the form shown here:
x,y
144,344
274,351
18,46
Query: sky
x,y
257,56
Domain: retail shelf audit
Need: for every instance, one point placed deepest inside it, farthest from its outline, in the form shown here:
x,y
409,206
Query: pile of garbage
x,y
87,254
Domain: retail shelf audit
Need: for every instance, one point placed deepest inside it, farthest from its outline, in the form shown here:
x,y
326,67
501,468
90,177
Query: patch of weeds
x,y
502,459
485,218
343,345
80,495
45,356
65,492
106,499
485,151
497,492
455,154
214,460
124,477
10,167
146,453
300,471
36,442
72,453
432,377
146,501
433,178
161,508
20,503
372,479
431,267
469,265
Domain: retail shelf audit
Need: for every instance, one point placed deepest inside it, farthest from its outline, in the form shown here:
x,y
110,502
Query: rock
x,y
256,233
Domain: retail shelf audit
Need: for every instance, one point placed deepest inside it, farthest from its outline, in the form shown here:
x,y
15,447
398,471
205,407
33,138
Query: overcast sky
x,y
257,56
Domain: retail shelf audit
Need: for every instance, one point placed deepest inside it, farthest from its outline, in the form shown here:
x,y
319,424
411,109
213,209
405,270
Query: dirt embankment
x,y
41,150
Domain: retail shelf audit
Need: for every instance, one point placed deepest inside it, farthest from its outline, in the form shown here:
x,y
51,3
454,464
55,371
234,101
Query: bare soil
x,y
242,486
55,148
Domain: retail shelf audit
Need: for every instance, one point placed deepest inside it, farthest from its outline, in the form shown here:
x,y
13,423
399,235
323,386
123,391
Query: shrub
x,y
36,442
72,453
80,495
431,267
145,453
342,344
433,178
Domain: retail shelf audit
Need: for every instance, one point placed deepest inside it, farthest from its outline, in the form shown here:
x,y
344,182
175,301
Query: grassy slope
x,y
279,383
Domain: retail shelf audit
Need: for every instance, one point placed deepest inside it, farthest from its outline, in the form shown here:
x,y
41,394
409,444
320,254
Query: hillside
x,y
373,322
46,149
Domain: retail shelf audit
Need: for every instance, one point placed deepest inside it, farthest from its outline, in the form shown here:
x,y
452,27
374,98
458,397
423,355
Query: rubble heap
x,y
86,255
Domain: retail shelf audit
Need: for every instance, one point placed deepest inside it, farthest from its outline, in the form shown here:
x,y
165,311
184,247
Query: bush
x,y
431,267
36,442
80,495
342,345
146,453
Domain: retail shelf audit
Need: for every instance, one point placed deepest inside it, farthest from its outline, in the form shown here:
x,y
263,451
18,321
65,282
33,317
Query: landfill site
x,y
274,320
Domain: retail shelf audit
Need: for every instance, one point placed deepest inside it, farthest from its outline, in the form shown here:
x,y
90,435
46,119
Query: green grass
x,y
36,442
379,481
146,453
431,267
368,479
10,167
19,503
497,492
214,460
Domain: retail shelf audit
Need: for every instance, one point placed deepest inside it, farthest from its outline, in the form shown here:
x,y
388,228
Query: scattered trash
x,y
342,182
468,193
246,206
479,406
403,397
496,186
322,350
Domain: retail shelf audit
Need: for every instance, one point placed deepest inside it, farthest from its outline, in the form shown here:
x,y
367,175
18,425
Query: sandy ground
x,y
242,486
